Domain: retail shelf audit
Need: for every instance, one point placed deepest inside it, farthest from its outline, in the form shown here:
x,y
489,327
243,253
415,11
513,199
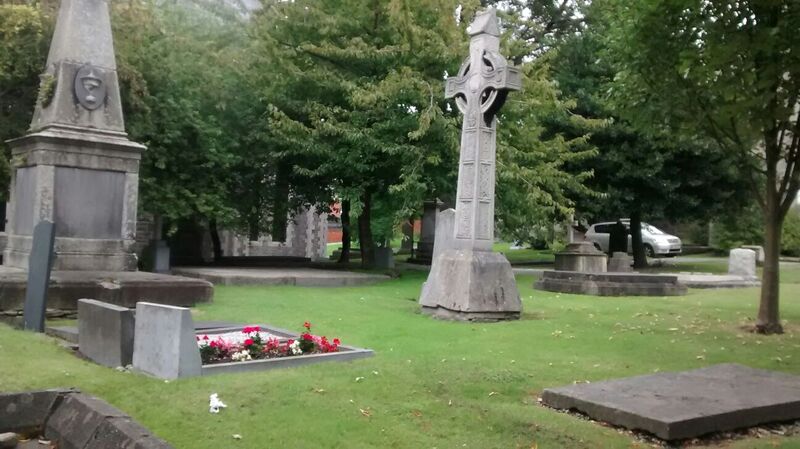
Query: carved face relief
x,y
90,87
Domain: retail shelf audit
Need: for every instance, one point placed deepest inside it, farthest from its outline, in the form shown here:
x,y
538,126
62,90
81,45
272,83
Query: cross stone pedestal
x,y
471,286
468,281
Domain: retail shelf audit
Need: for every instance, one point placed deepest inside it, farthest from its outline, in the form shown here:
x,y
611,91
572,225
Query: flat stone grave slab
x,y
610,284
687,404
122,288
304,277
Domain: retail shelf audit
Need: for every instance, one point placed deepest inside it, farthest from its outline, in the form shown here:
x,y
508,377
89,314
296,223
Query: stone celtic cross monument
x,y
468,281
76,166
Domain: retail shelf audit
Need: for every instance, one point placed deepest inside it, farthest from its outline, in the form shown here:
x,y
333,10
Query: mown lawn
x,y
432,383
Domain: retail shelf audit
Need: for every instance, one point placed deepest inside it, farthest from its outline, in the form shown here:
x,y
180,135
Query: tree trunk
x,y
344,256
215,241
365,233
768,321
639,257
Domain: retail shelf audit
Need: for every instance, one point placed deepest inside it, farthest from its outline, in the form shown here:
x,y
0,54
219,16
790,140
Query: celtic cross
x,y
480,89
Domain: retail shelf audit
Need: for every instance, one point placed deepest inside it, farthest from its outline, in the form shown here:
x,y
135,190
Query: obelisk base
x,y
471,286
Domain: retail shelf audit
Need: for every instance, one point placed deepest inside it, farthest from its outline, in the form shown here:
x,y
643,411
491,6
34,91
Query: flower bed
x,y
252,343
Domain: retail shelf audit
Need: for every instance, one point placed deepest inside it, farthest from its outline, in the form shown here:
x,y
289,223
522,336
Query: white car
x,y
656,242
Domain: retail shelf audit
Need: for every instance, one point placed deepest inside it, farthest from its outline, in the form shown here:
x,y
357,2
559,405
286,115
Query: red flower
x,y
205,337
289,342
248,342
307,325
307,337
336,341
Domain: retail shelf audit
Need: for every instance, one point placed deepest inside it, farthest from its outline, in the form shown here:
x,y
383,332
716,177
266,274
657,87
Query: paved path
x,y
307,277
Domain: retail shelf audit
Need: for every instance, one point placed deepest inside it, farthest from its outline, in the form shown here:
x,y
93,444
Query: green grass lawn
x,y
432,383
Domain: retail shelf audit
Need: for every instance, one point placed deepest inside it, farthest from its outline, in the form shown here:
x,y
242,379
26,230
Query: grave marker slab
x,y
742,262
687,404
164,343
105,332
39,265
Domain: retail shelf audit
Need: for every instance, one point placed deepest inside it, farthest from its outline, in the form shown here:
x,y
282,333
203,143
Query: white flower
x,y
214,404
295,347
241,356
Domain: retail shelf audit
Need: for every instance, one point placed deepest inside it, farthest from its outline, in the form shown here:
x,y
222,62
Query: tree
x,y
356,98
727,70
641,171
24,33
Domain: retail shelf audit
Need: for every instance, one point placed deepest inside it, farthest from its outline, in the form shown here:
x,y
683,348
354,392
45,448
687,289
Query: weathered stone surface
x,y
445,234
105,332
384,258
469,281
122,288
427,238
610,284
620,263
742,262
77,167
306,277
26,412
582,257
164,342
72,420
8,440
475,286
76,419
687,404
759,253
41,261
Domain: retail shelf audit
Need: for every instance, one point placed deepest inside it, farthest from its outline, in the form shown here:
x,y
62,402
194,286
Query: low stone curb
x,y
74,421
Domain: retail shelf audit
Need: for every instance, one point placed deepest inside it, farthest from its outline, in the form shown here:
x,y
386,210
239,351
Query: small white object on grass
x,y
214,404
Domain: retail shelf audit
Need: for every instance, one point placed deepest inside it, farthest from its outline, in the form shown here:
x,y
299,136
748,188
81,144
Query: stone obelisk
x,y
76,166
468,281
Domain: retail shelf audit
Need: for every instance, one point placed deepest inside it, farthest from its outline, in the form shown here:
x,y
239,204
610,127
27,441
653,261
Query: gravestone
x,y
105,332
76,166
430,212
384,257
687,404
742,262
445,223
40,263
164,343
620,263
581,257
407,244
469,281
759,253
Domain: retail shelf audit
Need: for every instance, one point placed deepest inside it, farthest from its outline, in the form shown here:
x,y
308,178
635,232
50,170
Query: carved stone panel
x,y
482,228
486,182
487,145
468,142
90,87
467,180
464,220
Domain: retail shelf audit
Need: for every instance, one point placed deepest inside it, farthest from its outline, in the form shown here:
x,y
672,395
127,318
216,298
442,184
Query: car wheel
x,y
648,251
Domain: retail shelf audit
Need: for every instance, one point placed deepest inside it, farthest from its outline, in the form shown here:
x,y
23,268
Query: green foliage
x,y
23,46
739,227
790,243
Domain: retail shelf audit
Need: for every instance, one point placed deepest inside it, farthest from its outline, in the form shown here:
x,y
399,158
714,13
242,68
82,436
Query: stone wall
x,y
306,236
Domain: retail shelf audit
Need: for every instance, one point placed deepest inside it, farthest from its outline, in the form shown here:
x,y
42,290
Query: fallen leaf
x,y
366,413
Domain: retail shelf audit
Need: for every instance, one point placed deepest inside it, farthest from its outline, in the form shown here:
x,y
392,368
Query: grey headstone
x,y
582,257
160,256
164,343
620,263
759,252
445,231
105,332
687,404
41,261
742,262
425,247
384,258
